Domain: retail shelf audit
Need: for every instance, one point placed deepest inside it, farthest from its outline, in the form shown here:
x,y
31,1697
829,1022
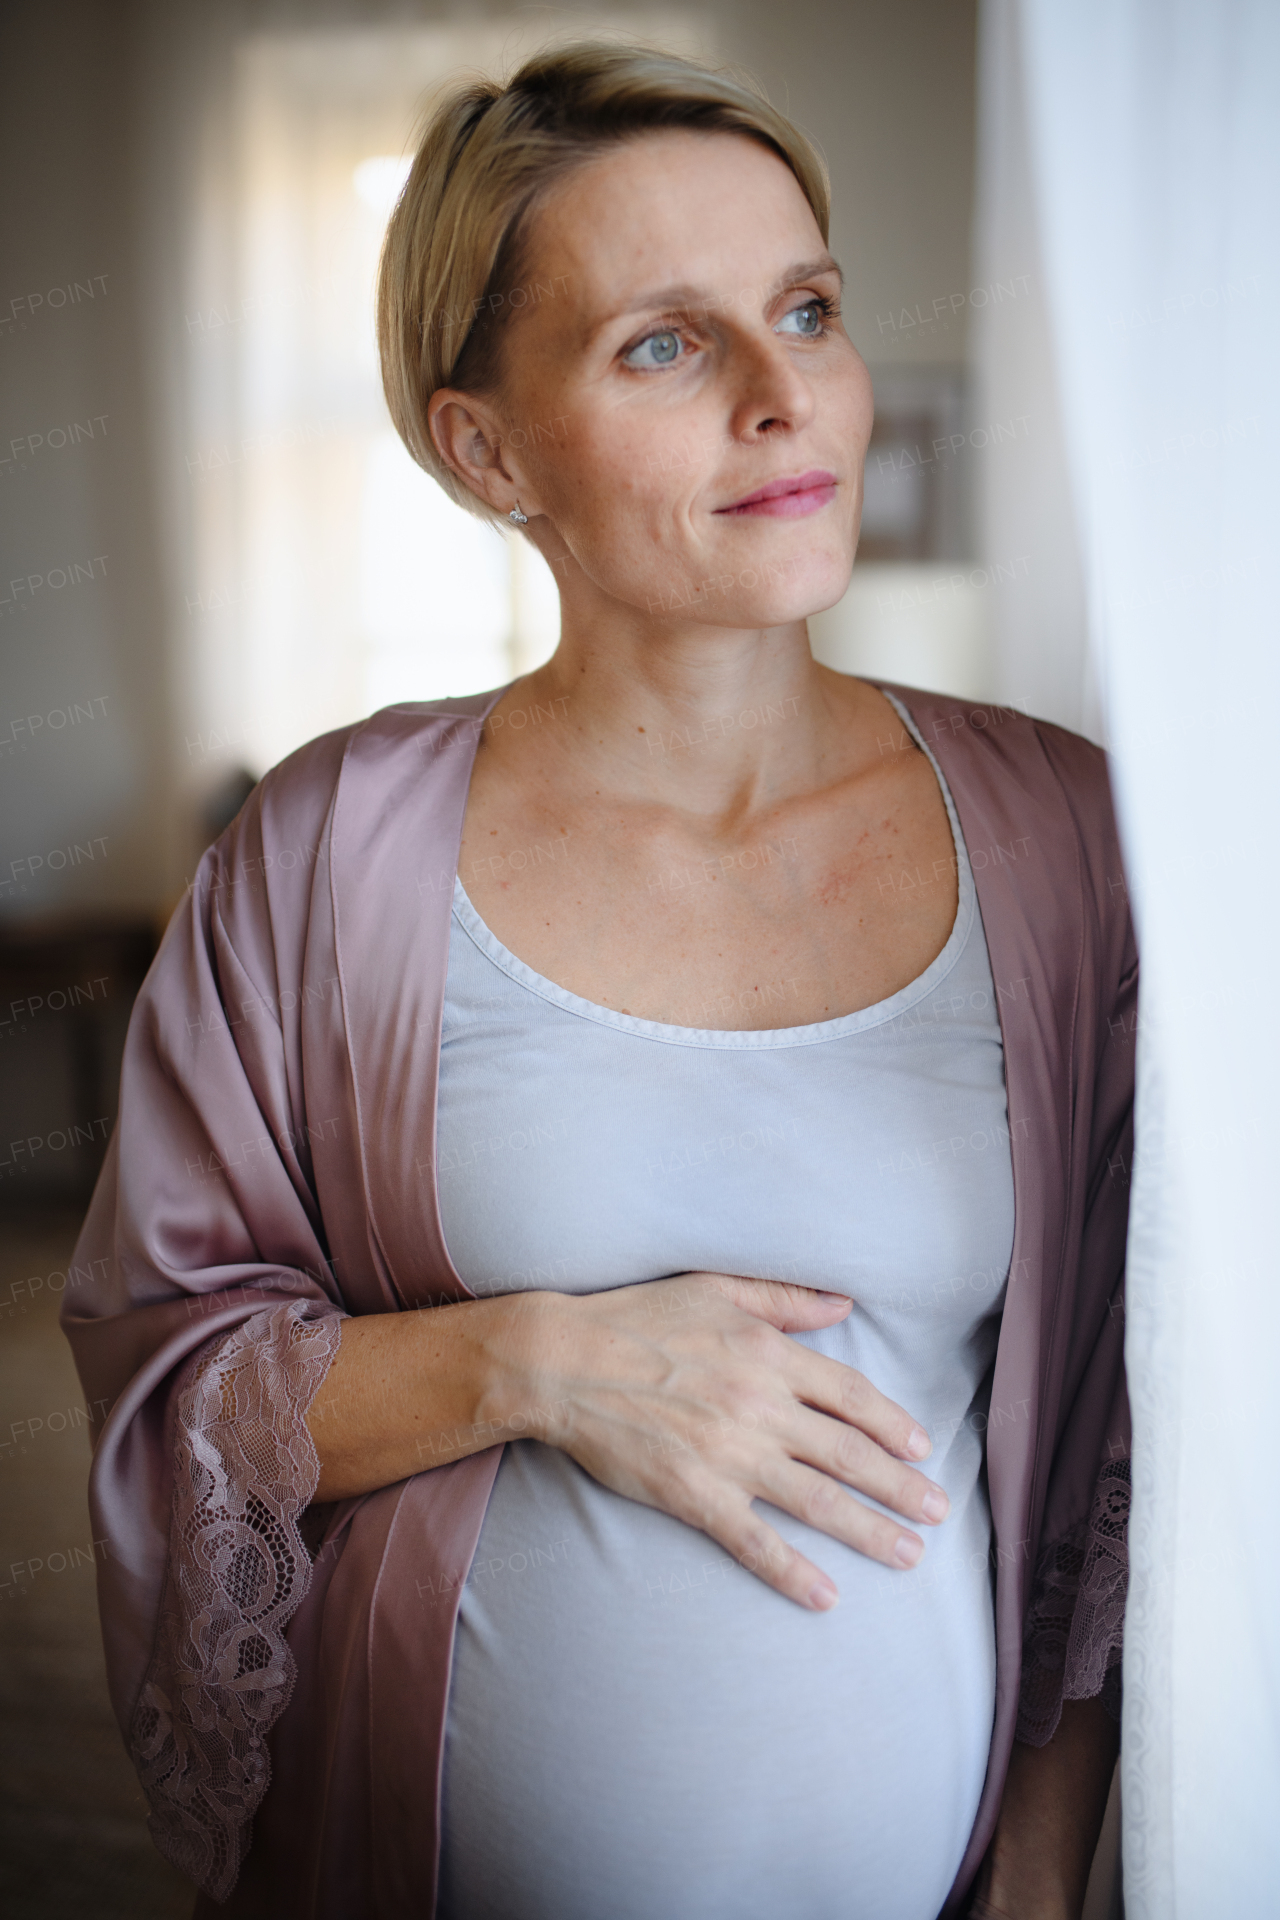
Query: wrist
x,y
1051,1813
526,1360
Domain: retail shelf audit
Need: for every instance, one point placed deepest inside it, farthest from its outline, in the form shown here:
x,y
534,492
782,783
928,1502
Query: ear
x,y
468,437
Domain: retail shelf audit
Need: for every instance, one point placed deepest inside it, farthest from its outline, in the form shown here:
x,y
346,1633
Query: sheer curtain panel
x,y
1155,141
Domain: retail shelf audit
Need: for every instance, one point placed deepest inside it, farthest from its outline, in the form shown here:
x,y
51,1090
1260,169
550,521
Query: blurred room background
x,y
215,547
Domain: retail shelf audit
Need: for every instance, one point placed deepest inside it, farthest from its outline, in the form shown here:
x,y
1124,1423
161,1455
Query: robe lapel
x,y
397,827
1023,848
396,833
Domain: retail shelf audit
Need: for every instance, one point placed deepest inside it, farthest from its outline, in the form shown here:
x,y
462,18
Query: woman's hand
x,y
685,1395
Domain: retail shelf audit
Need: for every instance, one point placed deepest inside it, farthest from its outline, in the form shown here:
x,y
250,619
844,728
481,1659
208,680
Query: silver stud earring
x,y
517,518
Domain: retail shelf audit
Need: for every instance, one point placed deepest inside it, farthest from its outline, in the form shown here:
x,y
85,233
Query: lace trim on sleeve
x,y
1074,1631
222,1673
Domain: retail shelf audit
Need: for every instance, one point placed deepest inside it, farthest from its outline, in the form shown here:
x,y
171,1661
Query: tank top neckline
x,y
812,1033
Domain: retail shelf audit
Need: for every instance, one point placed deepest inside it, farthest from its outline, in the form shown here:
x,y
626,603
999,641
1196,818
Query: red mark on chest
x,y
837,885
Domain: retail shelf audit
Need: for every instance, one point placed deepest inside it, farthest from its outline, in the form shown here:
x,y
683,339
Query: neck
x,y
710,718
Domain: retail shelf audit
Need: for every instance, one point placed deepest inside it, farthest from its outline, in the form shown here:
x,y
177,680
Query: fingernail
x,y
919,1444
935,1504
907,1549
822,1596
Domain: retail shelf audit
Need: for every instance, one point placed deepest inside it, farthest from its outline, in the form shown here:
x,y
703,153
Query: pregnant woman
x,y
730,1061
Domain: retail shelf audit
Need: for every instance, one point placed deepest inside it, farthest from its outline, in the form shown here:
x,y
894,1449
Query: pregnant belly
x,y
638,1727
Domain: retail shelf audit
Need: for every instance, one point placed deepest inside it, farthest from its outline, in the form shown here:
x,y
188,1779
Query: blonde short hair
x,y
451,270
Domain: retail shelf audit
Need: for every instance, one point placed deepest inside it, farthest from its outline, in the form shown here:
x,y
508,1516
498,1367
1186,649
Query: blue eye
x,y
659,350
809,321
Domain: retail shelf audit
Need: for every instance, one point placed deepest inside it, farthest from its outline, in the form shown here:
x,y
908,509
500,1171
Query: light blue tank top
x,y
637,1726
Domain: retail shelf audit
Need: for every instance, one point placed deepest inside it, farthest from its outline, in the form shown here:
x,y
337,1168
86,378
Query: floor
x,y
73,1835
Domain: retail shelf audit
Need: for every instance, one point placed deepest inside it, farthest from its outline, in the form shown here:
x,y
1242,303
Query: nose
x,y
773,394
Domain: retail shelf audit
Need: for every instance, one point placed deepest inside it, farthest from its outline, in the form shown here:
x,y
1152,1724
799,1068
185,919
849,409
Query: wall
x,y
85,710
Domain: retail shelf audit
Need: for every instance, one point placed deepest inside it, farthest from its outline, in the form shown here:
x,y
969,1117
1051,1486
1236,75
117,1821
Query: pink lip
x,y
789,499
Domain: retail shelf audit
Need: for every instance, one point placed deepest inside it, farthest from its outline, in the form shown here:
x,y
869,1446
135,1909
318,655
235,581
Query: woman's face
x,y
688,359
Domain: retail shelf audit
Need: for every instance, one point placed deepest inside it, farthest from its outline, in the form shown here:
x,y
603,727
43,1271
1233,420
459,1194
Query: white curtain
x,y
1023,509
1155,145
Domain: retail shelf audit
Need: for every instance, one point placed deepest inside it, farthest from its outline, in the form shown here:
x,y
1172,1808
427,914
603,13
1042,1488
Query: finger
x,y
851,1456
791,1309
816,1499
848,1395
734,1524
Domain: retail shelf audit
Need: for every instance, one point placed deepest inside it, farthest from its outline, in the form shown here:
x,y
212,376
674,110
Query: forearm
x,y
408,1391
1050,1818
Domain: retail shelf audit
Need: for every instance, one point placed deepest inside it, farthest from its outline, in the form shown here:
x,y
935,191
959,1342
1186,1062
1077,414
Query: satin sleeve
x,y
208,1321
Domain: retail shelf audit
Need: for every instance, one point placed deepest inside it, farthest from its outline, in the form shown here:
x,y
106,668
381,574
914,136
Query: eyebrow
x,y
686,297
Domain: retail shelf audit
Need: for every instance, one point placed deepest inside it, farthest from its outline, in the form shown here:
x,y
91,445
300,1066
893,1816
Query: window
x,y
336,577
